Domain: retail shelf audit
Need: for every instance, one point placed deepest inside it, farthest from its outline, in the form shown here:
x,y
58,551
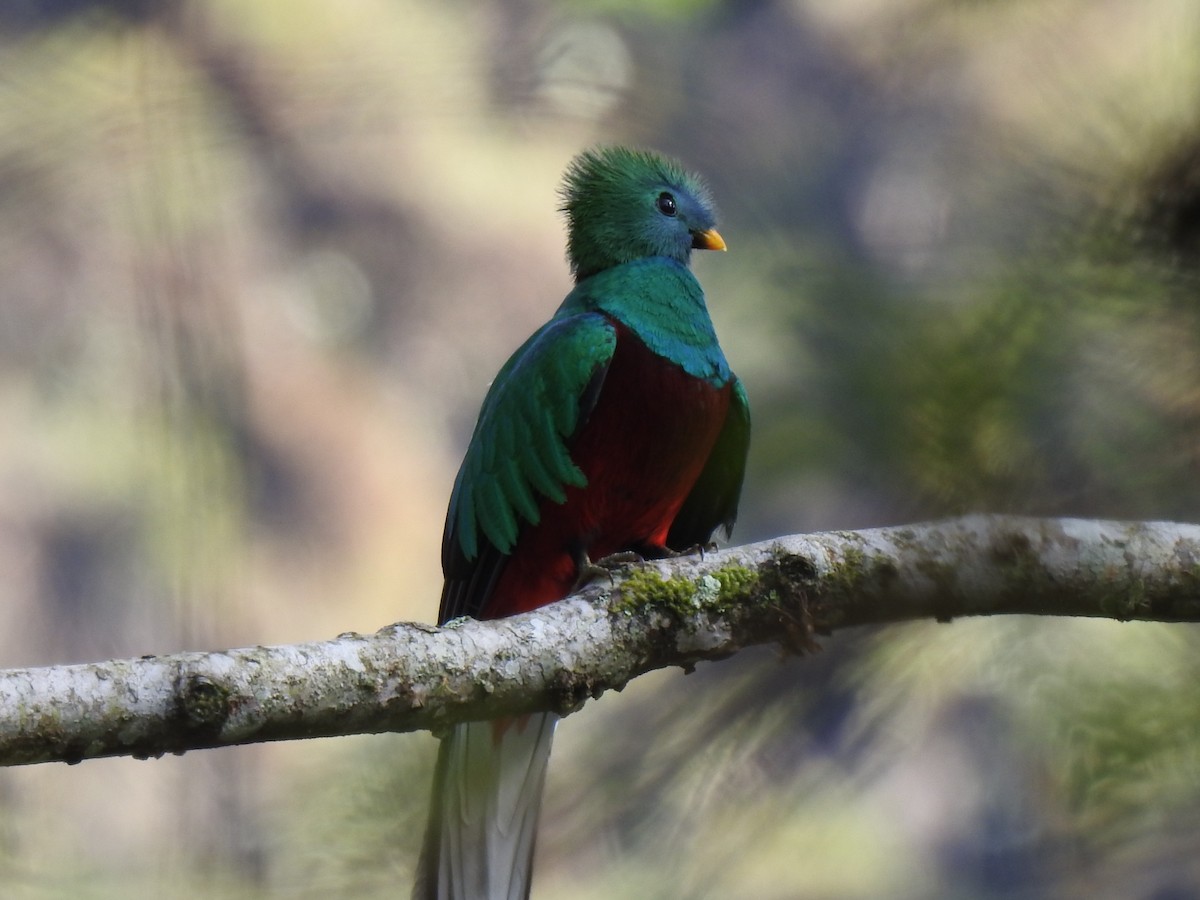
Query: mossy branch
x,y
674,612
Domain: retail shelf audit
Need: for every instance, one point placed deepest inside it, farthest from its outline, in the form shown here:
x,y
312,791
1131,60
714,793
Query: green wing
x,y
519,450
713,500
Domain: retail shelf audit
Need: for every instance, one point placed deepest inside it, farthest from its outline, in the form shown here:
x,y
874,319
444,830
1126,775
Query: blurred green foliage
x,y
260,261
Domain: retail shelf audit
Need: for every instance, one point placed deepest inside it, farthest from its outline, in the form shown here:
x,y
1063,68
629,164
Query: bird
x,y
616,428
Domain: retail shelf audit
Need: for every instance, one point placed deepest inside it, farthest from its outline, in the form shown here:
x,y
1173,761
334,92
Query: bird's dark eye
x,y
666,204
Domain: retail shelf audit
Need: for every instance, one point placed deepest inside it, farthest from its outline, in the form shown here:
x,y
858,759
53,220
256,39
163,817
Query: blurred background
x,y
259,261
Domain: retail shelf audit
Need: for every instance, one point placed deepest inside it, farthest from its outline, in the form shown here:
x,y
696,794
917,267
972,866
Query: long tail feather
x,y
483,815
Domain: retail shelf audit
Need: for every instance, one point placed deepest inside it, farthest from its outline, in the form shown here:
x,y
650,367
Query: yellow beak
x,y
708,240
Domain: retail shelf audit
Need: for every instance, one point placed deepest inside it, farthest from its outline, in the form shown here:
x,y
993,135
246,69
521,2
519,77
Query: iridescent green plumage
x,y
606,196
519,447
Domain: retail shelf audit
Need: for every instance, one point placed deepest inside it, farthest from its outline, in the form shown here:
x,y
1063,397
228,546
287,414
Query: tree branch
x,y
674,612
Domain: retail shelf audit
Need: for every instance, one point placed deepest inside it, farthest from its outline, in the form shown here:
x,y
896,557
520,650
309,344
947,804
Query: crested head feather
x,y
624,204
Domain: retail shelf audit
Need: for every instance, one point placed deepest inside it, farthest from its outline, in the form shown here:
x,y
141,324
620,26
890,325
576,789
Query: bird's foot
x,y
605,566
602,568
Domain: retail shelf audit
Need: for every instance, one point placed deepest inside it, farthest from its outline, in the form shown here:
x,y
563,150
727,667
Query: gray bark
x,y
673,612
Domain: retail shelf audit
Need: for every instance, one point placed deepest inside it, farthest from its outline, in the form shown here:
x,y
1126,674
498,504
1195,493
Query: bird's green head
x,y
623,205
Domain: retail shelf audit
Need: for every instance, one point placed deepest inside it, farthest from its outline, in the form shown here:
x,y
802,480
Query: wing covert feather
x,y
519,450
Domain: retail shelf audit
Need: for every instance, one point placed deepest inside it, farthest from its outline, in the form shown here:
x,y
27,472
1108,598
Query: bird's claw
x,y
605,566
588,570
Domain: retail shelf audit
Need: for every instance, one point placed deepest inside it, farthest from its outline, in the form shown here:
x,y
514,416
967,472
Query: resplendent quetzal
x,y
617,426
